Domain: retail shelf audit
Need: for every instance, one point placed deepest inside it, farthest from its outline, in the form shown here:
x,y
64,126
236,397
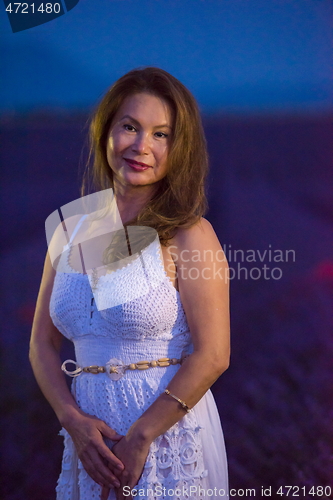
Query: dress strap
x,y
77,227
74,233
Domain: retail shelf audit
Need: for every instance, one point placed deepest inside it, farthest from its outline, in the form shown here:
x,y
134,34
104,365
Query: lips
x,y
137,165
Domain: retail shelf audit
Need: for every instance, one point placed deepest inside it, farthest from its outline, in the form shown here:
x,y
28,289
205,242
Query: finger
x,y
98,471
99,479
105,493
124,479
109,432
113,462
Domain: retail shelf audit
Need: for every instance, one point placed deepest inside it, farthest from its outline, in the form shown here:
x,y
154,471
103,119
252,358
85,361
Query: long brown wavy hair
x,y
180,199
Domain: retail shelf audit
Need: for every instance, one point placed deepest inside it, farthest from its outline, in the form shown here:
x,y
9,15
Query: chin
x,y
136,181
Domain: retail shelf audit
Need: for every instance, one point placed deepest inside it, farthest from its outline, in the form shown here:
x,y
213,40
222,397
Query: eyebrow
x,y
136,121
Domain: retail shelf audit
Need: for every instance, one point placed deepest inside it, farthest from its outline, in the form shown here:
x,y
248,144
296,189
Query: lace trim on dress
x,y
175,462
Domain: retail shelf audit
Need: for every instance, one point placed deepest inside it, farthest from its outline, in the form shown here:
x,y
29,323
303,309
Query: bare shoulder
x,y
199,236
70,222
59,233
67,224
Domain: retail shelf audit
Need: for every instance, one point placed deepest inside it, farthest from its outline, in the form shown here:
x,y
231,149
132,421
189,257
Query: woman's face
x,y
139,140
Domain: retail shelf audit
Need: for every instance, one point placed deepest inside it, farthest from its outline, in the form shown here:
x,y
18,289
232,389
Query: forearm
x,y
191,382
45,362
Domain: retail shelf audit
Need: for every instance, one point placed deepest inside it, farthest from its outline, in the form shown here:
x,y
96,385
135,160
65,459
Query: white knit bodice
x,y
156,314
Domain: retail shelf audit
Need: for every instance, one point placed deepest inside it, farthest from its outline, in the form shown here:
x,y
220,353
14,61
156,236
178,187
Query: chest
x,y
138,301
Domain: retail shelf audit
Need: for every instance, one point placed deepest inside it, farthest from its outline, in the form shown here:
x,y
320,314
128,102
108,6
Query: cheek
x,y
163,152
120,143
114,147
110,149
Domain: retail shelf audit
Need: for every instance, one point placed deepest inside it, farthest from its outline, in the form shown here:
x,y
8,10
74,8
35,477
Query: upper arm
x,y
203,281
43,329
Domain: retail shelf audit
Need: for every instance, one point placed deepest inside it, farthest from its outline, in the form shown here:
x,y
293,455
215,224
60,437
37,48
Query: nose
x,y
142,144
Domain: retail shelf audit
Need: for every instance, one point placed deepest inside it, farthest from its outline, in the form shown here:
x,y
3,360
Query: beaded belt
x,y
116,369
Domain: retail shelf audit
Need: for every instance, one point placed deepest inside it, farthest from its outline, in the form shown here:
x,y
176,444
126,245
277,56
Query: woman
x,y
155,427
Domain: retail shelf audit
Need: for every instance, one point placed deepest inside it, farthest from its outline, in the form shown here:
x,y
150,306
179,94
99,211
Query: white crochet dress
x,y
191,454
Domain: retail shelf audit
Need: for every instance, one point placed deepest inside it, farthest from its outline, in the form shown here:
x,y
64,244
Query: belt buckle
x,y
115,369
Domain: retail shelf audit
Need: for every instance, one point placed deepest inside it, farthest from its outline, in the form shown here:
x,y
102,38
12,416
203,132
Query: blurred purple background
x,y
261,72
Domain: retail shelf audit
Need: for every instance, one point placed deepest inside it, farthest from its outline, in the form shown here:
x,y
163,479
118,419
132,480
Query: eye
x,y
161,135
129,128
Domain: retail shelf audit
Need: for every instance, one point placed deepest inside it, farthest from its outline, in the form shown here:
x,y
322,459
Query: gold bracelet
x,y
182,403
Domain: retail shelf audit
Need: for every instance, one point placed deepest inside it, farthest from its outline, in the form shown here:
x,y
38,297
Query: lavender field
x,y
271,203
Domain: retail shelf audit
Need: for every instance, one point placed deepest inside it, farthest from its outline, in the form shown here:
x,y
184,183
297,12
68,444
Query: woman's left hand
x,y
133,455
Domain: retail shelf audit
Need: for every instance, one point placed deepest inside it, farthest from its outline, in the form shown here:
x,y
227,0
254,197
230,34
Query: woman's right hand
x,y
101,464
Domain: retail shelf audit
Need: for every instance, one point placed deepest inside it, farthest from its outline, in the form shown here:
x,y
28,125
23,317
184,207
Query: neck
x,y
132,199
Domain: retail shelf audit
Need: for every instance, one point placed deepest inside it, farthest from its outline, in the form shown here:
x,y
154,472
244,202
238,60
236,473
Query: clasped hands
x,y
121,466
133,457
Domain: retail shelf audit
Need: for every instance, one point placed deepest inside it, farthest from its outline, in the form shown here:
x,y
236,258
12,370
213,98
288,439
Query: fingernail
x,y
120,467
